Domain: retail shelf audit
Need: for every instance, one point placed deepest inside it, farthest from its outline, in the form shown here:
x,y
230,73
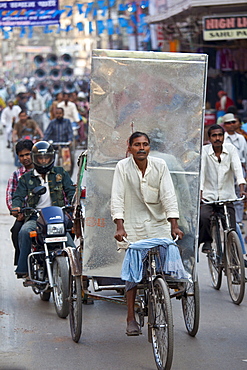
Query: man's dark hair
x,y
22,111
23,144
137,134
215,127
60,109
232,109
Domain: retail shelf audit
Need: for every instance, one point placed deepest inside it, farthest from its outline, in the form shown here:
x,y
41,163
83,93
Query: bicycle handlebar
x,y
223,200
61,143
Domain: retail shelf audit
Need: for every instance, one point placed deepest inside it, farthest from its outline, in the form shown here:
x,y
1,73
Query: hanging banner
x,y
29,13
225,27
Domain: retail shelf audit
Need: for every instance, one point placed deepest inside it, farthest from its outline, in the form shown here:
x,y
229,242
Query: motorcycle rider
x,y
25,127
59,191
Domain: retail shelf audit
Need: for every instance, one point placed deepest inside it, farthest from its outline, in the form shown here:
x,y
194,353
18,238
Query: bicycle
x,y
228,259
155,303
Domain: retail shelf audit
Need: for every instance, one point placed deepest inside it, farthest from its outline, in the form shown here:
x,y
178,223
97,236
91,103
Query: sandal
x,y
133,328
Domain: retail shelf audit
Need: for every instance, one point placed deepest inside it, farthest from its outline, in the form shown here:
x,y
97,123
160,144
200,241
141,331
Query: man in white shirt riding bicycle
x,y
143,204
220,163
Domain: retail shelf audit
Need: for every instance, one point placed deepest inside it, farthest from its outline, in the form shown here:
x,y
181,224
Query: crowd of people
x,y
28,115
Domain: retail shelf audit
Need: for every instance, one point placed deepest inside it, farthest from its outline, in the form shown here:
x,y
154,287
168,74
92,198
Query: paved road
x,y
33,337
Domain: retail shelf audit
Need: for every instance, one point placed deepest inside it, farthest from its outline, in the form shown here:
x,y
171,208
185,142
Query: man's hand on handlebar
x,y
120,233
15,212
242,190
176,232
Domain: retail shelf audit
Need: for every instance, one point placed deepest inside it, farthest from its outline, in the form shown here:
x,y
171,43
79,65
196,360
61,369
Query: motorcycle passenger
x,y
59,190
23,151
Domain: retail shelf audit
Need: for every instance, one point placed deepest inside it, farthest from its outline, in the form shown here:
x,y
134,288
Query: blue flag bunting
x,y
100,27
123,22
23,31
130,30
5,35
80,26
70,8
90,27
80,6
122,7
110,27
47,29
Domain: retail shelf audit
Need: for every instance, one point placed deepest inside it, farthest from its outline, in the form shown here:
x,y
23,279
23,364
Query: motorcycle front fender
x,y
74,261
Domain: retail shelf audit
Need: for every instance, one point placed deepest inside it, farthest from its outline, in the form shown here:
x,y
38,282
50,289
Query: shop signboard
x,y
29,13
225,27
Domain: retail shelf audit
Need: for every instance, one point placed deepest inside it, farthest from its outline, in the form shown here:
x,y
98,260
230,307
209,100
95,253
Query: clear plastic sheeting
x,y
163,95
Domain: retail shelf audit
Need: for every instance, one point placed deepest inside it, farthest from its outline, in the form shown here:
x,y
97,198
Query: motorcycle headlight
x,y
55,229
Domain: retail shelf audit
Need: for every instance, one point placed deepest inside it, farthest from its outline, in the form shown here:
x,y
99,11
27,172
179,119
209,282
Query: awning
x,y
180,10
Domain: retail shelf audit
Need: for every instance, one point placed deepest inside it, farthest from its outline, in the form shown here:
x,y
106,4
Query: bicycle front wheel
x,y
161,324
75,307
235,268
215,258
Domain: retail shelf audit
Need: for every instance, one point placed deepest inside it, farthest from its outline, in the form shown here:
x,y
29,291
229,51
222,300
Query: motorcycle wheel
x,y
61,286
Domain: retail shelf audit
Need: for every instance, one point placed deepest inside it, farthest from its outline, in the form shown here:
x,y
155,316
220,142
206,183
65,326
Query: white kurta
x,y
70,111
144,202
8,115
217,178
240,144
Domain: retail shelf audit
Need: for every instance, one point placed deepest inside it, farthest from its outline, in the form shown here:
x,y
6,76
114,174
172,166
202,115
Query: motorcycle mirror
x,y
39,190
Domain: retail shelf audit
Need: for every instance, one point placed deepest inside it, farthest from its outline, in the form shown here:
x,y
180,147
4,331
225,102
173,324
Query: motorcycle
x,y
48,266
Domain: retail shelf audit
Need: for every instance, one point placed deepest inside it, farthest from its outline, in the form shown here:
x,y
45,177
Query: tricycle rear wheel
x,y
191,307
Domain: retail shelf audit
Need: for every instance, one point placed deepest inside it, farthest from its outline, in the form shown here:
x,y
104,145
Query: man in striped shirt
x,y
23,150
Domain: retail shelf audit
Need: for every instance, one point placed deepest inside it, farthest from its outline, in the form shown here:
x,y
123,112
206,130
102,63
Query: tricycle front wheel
x,y
75,307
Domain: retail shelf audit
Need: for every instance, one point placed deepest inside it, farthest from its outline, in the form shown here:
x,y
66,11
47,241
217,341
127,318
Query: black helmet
x,y
43,156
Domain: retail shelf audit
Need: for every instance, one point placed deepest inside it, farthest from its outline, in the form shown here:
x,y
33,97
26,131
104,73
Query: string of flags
x,y
46,14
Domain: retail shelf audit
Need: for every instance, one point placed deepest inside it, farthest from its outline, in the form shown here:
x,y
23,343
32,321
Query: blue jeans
x,y
238,230
25,243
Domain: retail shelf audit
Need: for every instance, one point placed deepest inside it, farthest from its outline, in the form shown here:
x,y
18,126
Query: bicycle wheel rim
x,y
235,270
161,325
215,257
75,307
191,307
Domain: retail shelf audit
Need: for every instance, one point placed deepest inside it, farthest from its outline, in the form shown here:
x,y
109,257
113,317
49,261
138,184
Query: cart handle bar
x,y
223,201
127,241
